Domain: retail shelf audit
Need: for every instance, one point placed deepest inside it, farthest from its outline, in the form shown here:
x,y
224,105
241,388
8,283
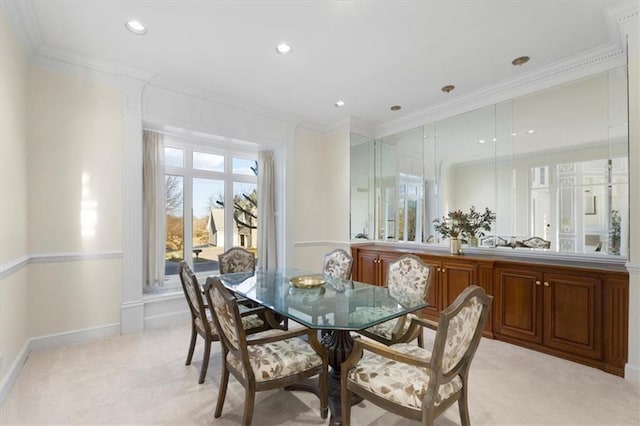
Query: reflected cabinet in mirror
x,y
546,171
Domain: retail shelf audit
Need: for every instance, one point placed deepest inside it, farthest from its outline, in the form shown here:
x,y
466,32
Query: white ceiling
x,y
371,54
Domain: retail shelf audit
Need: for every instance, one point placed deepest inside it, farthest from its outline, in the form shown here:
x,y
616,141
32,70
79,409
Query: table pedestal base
x,y
339,344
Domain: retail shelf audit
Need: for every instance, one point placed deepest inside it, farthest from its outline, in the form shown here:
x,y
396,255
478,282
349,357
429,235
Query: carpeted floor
x,y
142,379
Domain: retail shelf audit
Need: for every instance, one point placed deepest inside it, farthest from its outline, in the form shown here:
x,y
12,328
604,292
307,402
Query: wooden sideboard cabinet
x,y
564,309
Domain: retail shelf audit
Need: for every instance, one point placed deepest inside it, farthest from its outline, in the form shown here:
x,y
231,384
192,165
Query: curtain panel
x,y
267,255
153,208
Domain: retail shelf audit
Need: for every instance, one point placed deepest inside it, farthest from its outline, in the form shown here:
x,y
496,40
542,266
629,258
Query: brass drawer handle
x,y
537,282
546,284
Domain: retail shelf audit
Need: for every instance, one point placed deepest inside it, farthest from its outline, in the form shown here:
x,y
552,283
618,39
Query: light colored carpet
x,y
142,379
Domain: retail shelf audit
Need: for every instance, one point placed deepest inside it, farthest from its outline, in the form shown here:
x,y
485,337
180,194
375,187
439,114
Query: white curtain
x,y
153,208
267,255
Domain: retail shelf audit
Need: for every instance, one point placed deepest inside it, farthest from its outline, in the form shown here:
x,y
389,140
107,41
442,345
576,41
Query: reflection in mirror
x,y
465,163
552,165
362,186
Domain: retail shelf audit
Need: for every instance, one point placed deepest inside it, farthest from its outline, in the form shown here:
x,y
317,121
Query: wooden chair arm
x,y
253,311
359,345
281,335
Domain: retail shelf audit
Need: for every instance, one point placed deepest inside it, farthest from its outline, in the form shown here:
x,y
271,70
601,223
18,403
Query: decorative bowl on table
x,y
307,281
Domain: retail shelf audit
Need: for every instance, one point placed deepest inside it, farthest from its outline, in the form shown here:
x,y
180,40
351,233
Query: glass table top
x,y
335,305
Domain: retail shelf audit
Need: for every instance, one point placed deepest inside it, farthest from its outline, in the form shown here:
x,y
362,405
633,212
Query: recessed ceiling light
x,y
481,141
530,131
448,88
513,134
495,139
283,49
340,103
136,27
521,60
396,108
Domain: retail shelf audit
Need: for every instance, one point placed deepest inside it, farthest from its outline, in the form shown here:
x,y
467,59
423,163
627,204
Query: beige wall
x,y
13,196
75,164
62,207
75,202
321,195
72,296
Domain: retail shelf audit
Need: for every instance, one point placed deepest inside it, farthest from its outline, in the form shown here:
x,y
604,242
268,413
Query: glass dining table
x,y
334,306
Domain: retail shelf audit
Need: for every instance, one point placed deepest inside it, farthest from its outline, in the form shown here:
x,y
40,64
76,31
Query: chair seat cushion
x,y
399,382
278,359
384,329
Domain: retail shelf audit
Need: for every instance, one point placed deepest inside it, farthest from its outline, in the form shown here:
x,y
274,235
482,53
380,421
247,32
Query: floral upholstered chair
x,y
411,381
408,277
236,259
265,363
201,322
337,264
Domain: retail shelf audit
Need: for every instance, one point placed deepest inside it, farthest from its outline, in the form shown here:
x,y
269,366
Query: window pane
x,y
174,157
245,167
245,215
210,162
208,224
174,246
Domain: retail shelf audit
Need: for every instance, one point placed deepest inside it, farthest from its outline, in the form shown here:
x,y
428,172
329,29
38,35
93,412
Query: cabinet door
x,y
572,314
455,278
518,304
367,267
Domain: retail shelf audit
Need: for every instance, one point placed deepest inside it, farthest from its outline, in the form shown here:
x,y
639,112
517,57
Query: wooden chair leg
x,y
205,361
421,339
463,407
192,345
249,400
345,402
324,395
222,392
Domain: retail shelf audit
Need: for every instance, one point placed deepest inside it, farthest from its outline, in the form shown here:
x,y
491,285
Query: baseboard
x,y
632,373
49,341
14,371
74,337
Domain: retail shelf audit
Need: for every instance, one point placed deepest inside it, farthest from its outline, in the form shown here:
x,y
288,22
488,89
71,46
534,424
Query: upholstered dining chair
x,y
337,264
236,259
201,322
266,363
408,277
411,381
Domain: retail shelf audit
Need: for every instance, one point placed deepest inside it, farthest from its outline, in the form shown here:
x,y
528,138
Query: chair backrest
x,y
236,259
459,331
337,264
226,317
192,292
408,278
536,242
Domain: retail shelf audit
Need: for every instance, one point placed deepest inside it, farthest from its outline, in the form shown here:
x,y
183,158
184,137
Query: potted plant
x,y
452,226
477,223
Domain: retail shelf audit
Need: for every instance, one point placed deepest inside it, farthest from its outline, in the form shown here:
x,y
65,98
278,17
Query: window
x,y
211,205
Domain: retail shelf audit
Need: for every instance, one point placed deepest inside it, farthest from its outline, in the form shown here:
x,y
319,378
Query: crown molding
x,y
67,62
617,17
579,66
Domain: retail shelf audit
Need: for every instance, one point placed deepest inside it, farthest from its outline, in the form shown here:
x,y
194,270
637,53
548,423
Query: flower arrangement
x,y
457,224
452,225
478,222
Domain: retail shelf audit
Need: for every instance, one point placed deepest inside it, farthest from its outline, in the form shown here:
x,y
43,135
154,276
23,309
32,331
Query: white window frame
x,y
243,150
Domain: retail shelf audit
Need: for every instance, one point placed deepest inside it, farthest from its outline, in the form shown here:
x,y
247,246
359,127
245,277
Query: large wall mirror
x,y
552,167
